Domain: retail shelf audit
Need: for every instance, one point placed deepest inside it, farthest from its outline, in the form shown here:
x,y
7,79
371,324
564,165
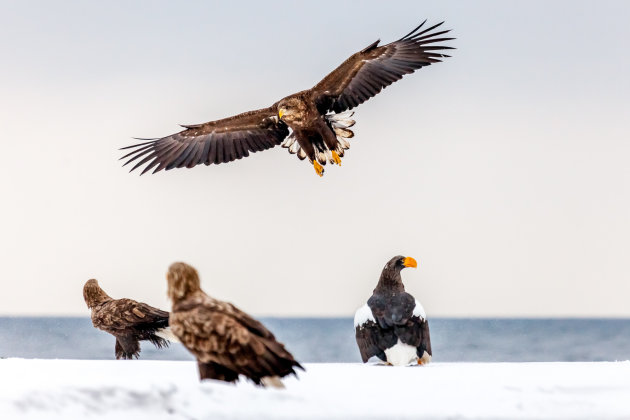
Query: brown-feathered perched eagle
x,y
127,320
225,340
319,126
393,325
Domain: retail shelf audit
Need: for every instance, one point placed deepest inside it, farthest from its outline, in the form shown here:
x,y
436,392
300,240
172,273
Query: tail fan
x,y
340,123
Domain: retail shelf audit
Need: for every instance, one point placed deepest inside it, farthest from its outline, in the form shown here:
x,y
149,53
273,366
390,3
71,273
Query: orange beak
x,y
410,262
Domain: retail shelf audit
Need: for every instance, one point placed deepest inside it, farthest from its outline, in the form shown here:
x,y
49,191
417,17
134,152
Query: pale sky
x,y
504,170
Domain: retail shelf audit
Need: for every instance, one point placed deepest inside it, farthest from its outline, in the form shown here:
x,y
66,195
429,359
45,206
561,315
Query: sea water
x,y
332,339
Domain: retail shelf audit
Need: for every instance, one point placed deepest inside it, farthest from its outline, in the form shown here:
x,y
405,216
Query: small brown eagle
x,y
316,133
127,320
393,325
225,340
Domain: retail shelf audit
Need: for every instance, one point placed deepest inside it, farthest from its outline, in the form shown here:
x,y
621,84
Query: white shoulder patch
x,y
418,310
363,315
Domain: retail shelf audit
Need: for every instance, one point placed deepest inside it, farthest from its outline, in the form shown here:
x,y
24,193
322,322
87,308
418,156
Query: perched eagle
x,y
225,340
392,325
127,320
319,126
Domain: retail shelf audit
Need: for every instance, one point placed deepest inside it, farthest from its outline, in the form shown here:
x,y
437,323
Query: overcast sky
x,y
504,170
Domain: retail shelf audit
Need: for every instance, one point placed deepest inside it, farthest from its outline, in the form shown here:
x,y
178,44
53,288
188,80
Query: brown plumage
x,y
225,340
317,135
127,320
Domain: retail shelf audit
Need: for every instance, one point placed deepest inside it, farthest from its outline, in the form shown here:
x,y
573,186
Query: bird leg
x,y
336,158
426,358
318,168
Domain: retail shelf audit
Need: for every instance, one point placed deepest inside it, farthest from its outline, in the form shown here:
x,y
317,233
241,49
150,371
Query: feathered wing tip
x,y
159,342
163,337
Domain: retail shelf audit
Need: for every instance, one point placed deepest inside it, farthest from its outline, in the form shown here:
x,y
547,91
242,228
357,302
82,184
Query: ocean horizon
x,y
331,340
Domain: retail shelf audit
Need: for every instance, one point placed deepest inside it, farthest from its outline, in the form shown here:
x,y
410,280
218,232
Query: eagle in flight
x,y
318,118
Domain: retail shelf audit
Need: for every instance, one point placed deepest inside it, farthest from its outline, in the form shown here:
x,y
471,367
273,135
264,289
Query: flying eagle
x,y
319,126
392,325
225,340
127,320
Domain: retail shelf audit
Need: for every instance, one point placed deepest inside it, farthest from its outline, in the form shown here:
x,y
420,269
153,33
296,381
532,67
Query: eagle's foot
x,y
319,169
336,158
421,361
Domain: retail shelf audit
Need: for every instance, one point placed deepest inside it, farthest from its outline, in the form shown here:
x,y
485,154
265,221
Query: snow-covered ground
x,y
72,389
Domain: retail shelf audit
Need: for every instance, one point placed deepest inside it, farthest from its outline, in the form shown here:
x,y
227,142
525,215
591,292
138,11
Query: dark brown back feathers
x,y
225,340
126,319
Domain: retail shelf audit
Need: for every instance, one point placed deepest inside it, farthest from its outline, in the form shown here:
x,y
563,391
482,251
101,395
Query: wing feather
x,y
213,142
370,70
373,340
128,315
415,332
218,332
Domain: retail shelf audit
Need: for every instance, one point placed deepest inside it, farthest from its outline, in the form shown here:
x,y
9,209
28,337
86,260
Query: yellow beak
x,y
280,114
410,262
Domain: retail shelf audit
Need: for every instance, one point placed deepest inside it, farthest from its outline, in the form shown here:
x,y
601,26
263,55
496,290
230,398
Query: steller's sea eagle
x,y
320,128
127,320
225,340
392,324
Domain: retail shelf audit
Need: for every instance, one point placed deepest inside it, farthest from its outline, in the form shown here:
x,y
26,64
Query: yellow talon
x,y
336,158
318,168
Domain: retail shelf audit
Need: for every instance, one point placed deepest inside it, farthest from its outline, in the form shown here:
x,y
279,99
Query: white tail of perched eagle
x,y
167,334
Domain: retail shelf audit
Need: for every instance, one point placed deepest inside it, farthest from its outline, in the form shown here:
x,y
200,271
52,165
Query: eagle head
x,y
291,109
399,262
93,294
182,279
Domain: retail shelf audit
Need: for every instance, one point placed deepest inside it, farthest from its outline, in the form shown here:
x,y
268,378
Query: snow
x,y
68,389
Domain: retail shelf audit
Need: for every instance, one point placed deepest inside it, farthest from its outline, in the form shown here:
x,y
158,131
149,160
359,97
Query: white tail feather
x,y
342,132
272,381
345,144
167,334
340,124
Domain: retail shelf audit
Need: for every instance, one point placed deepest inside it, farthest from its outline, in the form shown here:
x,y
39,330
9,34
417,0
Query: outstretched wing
x,y
212,142
367,72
